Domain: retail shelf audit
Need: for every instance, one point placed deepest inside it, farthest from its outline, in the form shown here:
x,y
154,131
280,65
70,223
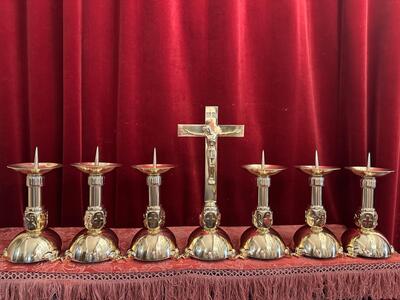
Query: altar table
x,y
287,278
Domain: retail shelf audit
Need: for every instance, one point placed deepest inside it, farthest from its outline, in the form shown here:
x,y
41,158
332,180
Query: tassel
x,y
344,284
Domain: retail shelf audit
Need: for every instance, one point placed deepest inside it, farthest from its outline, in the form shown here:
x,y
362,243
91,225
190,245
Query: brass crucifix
x,y
210,131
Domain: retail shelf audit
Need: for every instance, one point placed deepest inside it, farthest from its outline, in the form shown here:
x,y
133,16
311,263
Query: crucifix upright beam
x,y
211,131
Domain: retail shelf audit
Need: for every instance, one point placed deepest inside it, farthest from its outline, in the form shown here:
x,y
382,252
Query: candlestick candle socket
x,y
36,243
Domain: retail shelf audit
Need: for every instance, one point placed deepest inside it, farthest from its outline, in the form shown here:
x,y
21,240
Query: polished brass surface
x,y
261,241
209,242
365,240
366,243
91,246
154,242
267,170
95,243
317,170
33,246
369,171
316,242
153,245
30,168
211,131
313,239
93,168
209,245
36,243
151,169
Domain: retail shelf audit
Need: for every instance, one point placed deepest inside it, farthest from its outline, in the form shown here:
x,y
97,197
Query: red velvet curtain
x,y
122,74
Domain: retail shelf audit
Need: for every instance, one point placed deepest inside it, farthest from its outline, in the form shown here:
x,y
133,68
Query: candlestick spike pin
x,y
261,241
36,243
154,158
154,242
313,239
95,243
96,158
365,240
36,159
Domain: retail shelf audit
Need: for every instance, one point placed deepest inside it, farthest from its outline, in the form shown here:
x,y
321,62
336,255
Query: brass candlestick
x,y
95,243
154,242
313,239
36,243
210,242
365,240
261,241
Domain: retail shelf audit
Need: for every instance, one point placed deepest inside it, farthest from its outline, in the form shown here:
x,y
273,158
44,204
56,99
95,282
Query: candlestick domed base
x,y
209,244
366,243
316,242
33,246
262,244
154,245
92,246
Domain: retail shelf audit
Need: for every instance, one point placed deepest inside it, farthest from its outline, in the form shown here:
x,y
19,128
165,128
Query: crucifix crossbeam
x,y
210,130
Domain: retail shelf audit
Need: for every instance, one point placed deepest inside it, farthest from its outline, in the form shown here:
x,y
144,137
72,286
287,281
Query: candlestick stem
x,y
95,182
34,183
316,183
368,185
263,184
154,182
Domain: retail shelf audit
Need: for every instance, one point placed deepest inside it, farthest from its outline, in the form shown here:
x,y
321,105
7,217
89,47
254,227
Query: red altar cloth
x,y
289,277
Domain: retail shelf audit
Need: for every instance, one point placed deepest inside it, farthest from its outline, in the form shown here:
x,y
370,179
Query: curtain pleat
x,y
72,203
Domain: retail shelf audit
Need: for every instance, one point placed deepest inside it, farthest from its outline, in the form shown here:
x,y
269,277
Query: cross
x,y
210,130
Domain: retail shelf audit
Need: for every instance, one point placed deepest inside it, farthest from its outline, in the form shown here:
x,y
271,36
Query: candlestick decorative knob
x,y
154,242
94,243
313,239
36,243
261,241
365,240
